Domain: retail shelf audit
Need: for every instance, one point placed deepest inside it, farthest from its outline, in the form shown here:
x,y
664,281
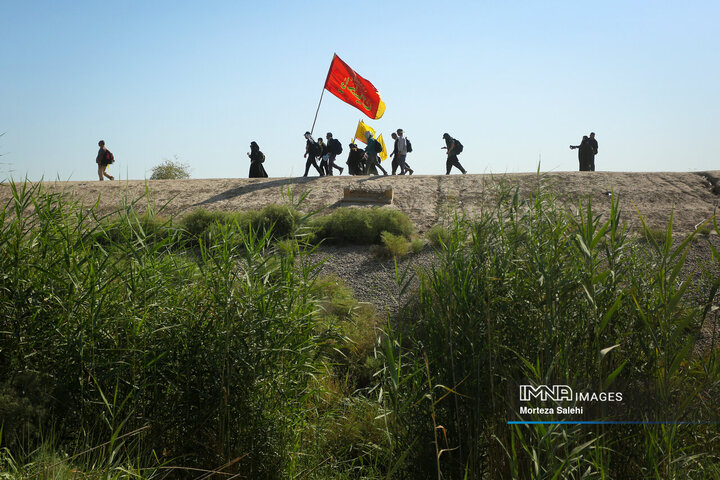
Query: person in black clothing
x,y
394,163
355,160
585,154
452,153
312,151
256,162
594,147
323,156
103,159
334,147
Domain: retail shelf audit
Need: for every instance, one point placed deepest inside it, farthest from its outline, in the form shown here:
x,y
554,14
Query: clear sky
x,y
515,81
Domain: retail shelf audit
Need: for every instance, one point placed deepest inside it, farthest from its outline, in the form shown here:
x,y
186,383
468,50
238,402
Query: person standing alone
x,y
104,158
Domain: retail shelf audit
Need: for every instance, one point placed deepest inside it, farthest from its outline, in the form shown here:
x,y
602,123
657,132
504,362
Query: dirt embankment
x,y
693,197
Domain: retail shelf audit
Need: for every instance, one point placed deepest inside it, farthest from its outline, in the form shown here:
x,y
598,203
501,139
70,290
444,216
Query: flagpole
x,y
316,111
323,92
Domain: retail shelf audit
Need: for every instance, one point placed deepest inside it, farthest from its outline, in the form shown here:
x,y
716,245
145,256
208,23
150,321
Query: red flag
x,y
348,86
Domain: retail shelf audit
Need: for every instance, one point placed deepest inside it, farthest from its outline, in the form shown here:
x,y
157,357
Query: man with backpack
x,y
403,148
103,159
371,152
454,147
312,151
334,149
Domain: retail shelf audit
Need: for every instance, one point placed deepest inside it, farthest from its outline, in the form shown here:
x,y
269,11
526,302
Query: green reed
x,y
529,293
109,326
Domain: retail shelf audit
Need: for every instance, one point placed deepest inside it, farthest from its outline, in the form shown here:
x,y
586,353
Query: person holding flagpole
x,y
312,150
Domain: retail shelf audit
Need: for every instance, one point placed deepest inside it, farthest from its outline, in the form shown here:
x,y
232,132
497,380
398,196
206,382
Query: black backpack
x,y
458,146
109,157
408,145
378,146
335,146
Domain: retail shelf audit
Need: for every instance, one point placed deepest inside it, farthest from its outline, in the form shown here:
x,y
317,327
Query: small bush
x,y
170,170
131,228
654,233
438,235
396,245
705,230
197,223
416,245
362,225
283,219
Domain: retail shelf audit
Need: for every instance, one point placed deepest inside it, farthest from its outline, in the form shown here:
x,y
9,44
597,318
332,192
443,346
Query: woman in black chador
x,y
585,154
256,162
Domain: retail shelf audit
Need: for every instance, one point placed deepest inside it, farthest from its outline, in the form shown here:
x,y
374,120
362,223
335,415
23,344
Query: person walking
x,y
454,147
355,160
257,158
312,151
104,159
394,164
372,150
323,156
334,149
402,151
594,147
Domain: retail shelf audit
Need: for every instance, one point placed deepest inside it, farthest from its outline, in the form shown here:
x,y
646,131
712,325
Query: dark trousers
x,y
311,161
331,164
452,161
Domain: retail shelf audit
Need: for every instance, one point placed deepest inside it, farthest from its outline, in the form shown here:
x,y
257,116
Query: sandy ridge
x,y
425,198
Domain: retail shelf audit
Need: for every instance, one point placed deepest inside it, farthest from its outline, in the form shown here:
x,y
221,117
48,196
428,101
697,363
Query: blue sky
x,y
516,82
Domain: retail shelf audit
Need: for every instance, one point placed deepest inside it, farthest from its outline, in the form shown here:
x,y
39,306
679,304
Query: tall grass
x,y
132,345
107,330
528,293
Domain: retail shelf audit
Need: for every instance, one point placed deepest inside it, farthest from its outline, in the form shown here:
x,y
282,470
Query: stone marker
x,y
354,194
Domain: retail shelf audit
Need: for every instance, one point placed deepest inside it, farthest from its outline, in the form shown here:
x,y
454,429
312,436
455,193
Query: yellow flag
x,y
360,132
383,154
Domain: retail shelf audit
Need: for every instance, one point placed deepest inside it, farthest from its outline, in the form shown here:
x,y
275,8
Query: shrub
x,y
654,234
396,245
128,227
438,235
362,225
170,170
416,245
283,220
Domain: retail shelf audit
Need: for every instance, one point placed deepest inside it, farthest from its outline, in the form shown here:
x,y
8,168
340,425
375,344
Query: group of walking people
x,y
366,161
